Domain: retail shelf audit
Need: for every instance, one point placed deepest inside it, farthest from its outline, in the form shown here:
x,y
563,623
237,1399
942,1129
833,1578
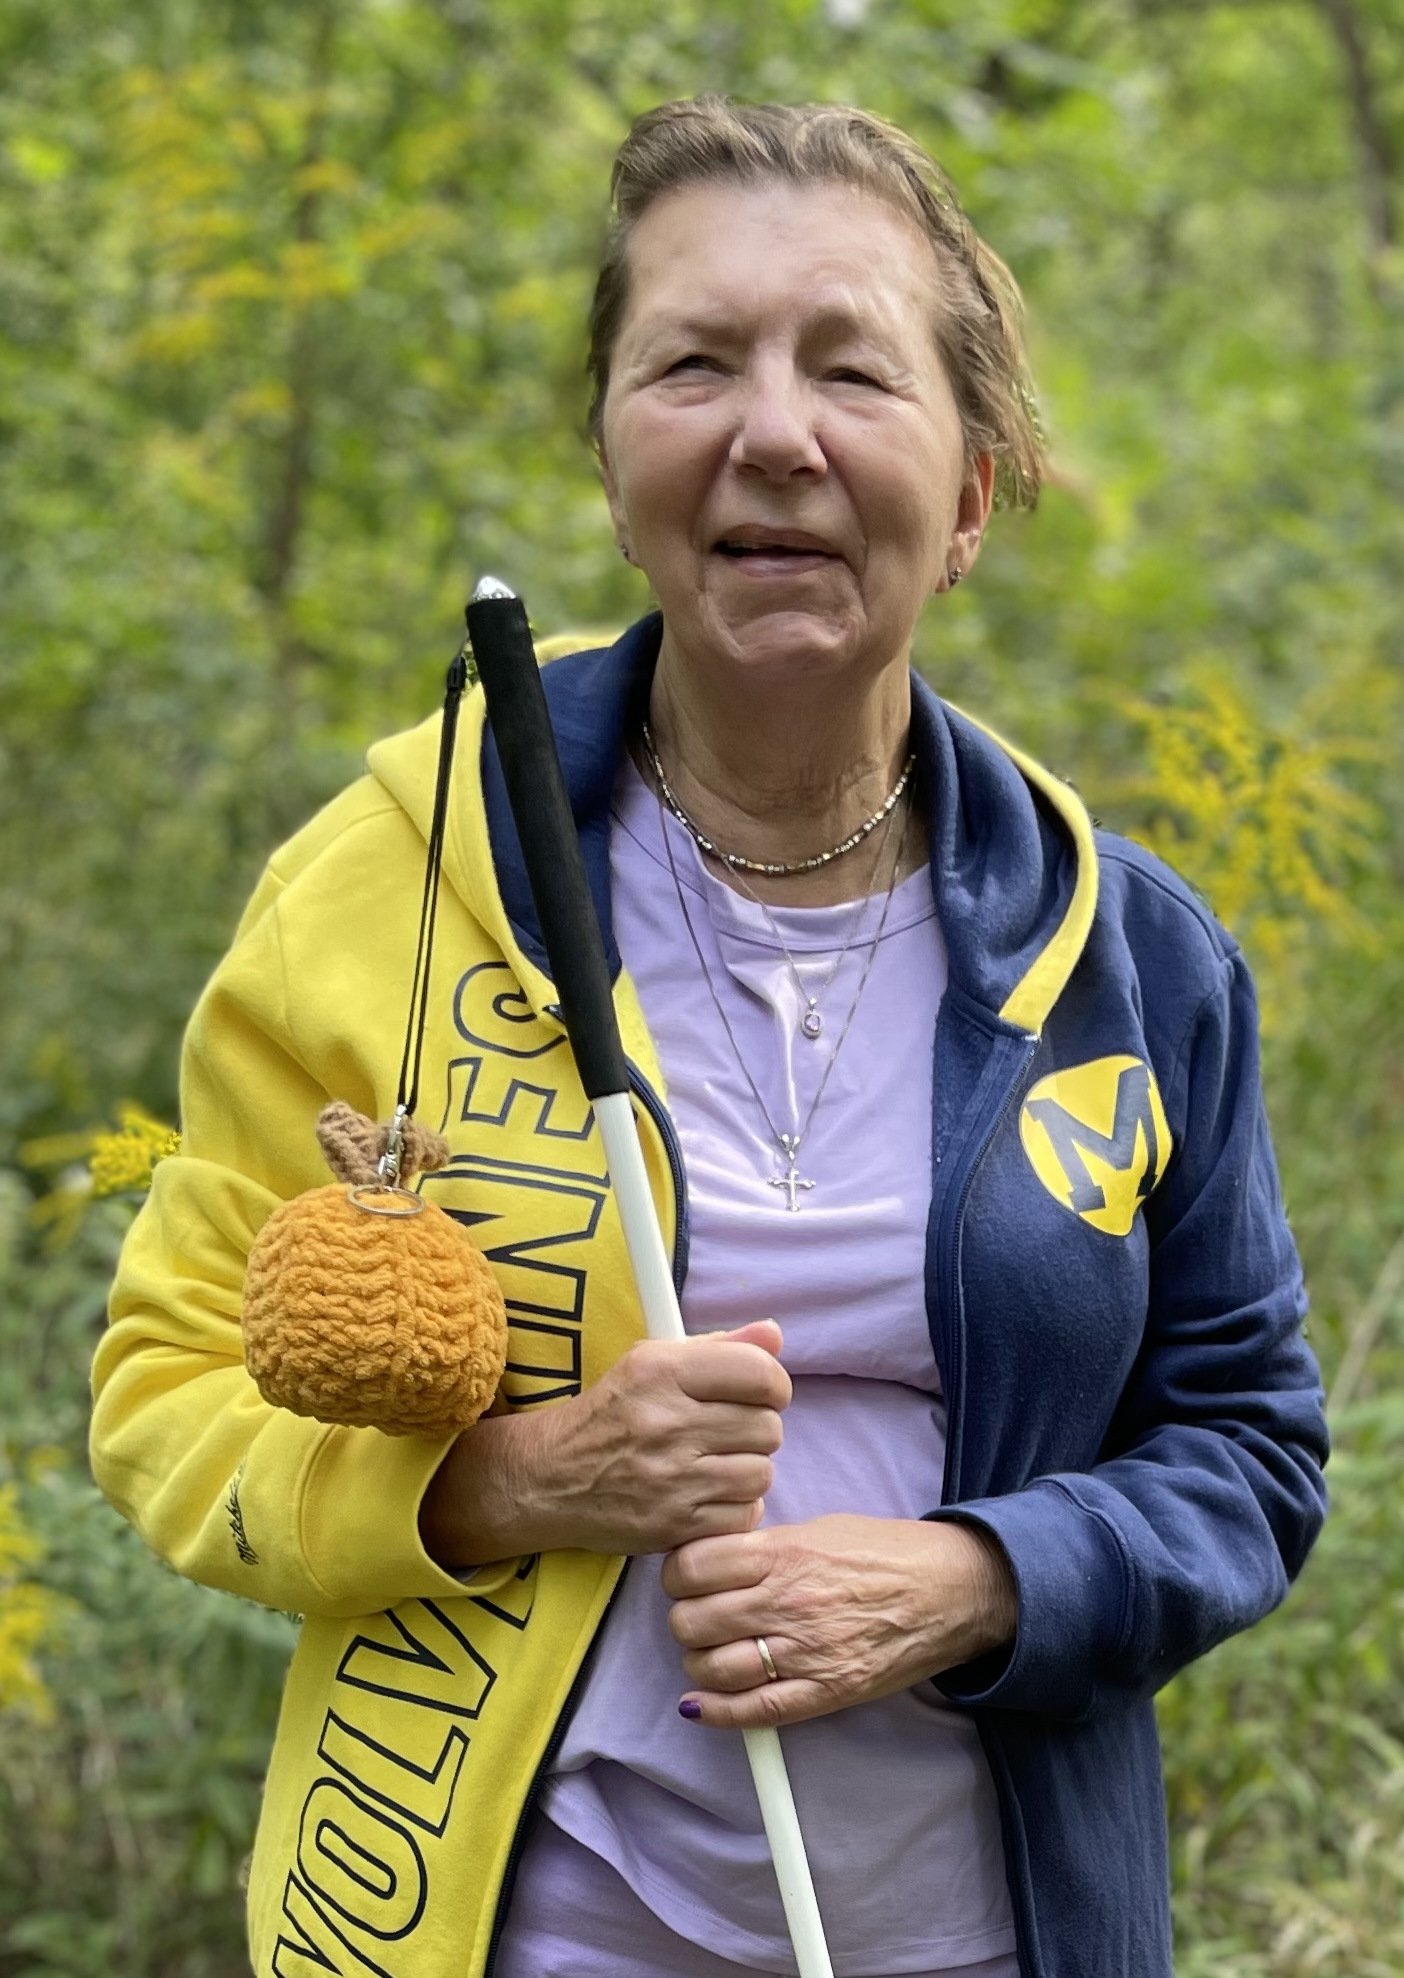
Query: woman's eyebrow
x,y
829,323
833,321
694,328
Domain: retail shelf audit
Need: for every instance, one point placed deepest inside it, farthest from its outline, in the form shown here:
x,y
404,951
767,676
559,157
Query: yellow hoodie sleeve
x,y
232,1492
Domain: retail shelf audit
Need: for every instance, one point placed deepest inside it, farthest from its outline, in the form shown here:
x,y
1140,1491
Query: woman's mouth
x,y
771,557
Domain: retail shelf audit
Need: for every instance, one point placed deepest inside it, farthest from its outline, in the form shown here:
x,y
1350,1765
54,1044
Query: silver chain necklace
x,y
788,1143
776,869
812,1022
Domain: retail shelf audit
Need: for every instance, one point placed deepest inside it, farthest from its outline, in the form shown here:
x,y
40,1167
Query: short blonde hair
x,y
979,332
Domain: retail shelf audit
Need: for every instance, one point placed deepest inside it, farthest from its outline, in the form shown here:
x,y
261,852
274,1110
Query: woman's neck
x,y
779,775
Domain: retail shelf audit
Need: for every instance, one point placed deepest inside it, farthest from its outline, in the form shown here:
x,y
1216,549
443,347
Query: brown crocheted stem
x,y
354,1144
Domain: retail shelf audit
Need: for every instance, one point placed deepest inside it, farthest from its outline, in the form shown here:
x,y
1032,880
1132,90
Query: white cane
x,y
516,703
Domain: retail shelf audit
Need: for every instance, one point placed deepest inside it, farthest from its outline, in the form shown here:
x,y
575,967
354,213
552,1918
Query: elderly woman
x,y
964,1159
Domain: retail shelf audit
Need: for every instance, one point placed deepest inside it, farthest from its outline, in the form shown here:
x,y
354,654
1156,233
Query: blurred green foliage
x,y
291,345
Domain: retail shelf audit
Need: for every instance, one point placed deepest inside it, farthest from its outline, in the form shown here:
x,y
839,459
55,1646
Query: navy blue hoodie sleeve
x,y
1210,1494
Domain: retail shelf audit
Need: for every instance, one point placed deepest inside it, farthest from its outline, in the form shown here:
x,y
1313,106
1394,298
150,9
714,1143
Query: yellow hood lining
x,y
1034,996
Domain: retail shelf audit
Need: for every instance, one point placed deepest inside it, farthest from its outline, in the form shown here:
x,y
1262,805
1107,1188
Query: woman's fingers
x,y
713,1521
726,1426
730,1479
752,1709
718,1618
716,1565
734,1666
723,1369
756,1332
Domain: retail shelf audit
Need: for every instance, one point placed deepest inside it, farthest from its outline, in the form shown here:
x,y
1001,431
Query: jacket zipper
x,y
659,1115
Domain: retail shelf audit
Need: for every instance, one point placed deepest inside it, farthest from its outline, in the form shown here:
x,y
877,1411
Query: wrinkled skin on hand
x,y
851,1608
674,1444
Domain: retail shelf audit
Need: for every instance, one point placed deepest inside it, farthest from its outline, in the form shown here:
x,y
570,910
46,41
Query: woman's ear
x,y
972,514
616,506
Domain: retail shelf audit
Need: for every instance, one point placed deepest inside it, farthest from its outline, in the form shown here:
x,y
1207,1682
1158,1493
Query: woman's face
x,y
781,448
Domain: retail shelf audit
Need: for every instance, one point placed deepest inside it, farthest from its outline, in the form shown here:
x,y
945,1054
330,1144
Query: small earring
x,y
624,552
953,577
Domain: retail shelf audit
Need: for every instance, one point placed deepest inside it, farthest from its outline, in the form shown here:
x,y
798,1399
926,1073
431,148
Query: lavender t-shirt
x,y
895,1797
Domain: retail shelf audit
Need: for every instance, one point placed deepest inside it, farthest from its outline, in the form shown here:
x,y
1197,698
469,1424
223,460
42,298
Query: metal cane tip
x,y
492,587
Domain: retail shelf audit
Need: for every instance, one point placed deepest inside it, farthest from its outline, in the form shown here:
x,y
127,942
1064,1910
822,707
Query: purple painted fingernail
x,y
687,1708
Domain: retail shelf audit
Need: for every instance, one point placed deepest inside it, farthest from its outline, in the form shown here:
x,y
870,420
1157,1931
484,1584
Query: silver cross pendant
x,y
791,1181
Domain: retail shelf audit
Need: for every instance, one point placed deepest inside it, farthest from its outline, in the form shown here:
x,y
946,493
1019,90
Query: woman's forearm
x,y
992,1616
487,1499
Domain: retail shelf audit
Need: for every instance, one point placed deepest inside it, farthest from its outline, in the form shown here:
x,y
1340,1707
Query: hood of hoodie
x,y
1013,862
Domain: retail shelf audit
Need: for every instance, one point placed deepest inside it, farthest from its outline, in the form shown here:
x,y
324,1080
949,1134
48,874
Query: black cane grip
x,y
531,769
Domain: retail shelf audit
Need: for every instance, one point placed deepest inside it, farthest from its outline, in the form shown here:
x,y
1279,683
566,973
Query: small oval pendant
x,y
811,1023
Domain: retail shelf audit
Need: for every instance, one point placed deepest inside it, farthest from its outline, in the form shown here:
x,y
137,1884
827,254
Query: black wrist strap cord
x,y
407,1093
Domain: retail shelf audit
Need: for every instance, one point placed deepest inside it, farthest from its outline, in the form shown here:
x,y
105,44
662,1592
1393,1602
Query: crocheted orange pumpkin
x,y
370,1306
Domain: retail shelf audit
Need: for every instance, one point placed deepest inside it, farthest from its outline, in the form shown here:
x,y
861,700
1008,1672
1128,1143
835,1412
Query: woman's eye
x,y
847,375
693,361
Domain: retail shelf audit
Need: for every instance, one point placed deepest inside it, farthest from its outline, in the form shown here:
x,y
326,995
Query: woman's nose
x,y
776,433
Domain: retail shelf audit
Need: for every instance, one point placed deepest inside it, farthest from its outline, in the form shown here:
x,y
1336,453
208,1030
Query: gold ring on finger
x,y
772,1674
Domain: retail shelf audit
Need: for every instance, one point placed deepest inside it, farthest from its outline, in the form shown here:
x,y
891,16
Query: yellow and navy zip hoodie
x,y
1114,1300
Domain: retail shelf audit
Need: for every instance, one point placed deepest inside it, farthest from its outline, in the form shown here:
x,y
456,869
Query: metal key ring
x,y
413,1204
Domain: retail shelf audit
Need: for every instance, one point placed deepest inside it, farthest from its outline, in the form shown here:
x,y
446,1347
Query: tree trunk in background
x,y
1374,146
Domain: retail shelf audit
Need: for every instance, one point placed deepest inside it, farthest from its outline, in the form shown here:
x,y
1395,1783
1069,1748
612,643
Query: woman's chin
x,y
777,639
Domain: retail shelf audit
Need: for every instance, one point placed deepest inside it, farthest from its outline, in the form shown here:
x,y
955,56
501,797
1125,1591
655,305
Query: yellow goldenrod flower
x,y
123,1161
1261,814
27,1613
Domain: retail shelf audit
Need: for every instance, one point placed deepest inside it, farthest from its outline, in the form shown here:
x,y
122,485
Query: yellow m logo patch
x,y
1097,1139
